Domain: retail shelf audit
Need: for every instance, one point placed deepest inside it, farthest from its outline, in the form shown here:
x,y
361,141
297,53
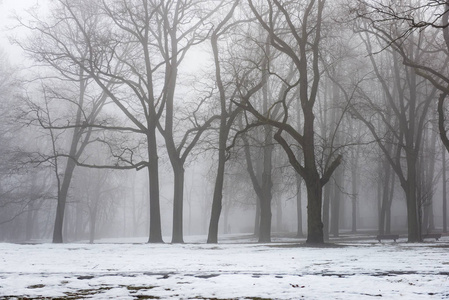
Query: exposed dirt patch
x,y
138,288
305,245
36,286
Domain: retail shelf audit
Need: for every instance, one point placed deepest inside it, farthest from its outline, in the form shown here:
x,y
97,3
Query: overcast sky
x,y
7,9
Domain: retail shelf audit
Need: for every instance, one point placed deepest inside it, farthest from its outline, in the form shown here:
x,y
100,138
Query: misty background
x,y
118,118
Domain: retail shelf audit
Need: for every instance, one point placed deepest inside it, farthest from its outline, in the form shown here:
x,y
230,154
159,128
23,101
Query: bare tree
x,y
182,24
428,17
228,110
298,37
408,100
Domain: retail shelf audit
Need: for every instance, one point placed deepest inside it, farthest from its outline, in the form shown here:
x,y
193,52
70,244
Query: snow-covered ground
x,y
229,270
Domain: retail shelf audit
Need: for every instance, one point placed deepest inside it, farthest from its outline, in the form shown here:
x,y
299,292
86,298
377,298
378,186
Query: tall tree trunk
x,y
267,184
444,193
413,216
314,224
326,210
178,203
313,182
153,177
218,191
354,195
429,179
257,218
223,135
62,199
299,232
338,175
384,202
388,206
336,203
354,182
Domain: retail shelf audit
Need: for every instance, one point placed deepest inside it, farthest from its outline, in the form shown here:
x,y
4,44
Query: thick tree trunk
x,y
62,199
153,177
178,204
312,179
265,220
314,224
267,184
218,196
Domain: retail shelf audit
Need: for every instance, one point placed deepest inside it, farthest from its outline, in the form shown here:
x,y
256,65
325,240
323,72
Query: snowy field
x,y
229,270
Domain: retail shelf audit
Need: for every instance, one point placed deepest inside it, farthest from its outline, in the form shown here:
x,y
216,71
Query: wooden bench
x,y
381,237
435,236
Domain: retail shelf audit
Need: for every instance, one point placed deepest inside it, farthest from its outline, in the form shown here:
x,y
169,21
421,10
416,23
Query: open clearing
x,y
229,270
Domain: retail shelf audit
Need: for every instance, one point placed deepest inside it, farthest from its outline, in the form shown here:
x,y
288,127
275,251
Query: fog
x,y
128,119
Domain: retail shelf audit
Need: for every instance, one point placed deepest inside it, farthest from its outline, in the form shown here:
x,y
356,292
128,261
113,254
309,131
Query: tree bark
x,y
62,199
257,218
299,232
218,188
314,224
326,210
178,201
223,133
336,203
153,178
444,193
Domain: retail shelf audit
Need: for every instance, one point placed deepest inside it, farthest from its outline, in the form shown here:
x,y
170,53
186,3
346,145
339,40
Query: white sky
x,y
7,9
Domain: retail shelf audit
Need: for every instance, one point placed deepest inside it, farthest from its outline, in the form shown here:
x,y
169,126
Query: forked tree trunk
x,y
223,135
